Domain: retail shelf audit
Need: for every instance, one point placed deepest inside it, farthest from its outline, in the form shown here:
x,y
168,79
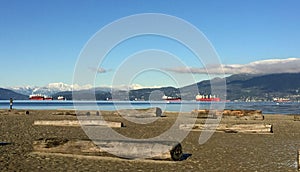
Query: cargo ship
x,y
207,98
61,98
39,97
281,100
48,98
170,98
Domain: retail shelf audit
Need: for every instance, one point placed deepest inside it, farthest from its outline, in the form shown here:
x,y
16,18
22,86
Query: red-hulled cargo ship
x,y
207,98
39,97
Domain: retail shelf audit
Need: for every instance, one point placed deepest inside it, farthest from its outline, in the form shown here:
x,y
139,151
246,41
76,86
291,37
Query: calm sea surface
x,y
266,107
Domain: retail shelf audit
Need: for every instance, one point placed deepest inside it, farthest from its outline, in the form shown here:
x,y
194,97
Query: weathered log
x,y
65,112
298,159
234,114
296,117
141,113
158,150
203,113
227,128
244,114
143,149
81,122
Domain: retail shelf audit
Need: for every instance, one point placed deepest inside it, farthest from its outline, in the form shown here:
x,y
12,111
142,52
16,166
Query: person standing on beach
x,y
11,103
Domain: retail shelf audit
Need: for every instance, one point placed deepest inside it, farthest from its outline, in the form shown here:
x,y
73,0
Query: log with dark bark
x,y
157,150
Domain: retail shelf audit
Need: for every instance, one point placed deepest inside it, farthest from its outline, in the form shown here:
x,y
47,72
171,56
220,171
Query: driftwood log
x,y
244,114
296,117
140,113
230,128
65,112
234,114
203,113
159,150
79,123
298,159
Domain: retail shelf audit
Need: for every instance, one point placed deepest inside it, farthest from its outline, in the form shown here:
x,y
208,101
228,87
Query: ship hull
x,y
209,99
173,100
36,98
39,97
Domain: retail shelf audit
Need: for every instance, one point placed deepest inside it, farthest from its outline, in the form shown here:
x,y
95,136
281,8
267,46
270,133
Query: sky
x,y
41,41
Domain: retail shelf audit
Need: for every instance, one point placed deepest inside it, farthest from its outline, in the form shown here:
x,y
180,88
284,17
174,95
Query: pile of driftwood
x,y
136,149
234,114
130,149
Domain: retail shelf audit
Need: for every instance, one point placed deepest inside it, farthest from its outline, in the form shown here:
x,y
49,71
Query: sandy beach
x,y
222,152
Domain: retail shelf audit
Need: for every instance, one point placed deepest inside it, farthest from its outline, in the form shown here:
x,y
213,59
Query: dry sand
x,y
222,152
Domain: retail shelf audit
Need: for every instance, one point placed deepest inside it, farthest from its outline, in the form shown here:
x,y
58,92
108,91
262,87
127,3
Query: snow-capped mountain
x,y
49,89
54,88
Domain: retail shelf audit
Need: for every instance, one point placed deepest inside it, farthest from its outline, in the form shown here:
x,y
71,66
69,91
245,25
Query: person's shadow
x,y
185,156
4,143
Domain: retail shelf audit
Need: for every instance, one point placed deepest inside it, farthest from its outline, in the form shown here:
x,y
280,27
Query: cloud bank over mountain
x,y
290,65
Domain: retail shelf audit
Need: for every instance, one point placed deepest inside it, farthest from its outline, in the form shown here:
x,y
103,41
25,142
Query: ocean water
x,y
184,106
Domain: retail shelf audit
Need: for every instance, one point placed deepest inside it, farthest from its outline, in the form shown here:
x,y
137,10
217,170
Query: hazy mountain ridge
x,y
6,94
264,87
254,87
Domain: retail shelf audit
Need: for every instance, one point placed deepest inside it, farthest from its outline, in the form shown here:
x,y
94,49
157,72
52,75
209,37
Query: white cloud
x,y
138,86
290,65
99,70
130,87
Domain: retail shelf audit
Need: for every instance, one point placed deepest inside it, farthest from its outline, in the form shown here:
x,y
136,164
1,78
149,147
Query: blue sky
x,y
40,41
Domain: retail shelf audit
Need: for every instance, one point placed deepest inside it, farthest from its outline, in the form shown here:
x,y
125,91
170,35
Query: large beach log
x,y
65,112
296,117
298,159
234,114
162,150
244,114
158,150
141,113
228,128
79,123
203,113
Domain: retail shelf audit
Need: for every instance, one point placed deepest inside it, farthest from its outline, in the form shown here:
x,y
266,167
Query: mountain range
x,y
240,87
6,94
49,89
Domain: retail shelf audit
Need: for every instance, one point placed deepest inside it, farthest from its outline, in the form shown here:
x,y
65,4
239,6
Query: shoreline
x,y
106,111
266,107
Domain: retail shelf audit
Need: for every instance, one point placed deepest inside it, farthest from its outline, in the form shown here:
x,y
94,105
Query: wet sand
x,y
222,152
